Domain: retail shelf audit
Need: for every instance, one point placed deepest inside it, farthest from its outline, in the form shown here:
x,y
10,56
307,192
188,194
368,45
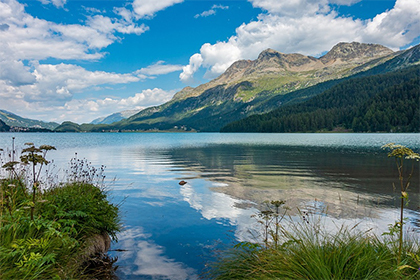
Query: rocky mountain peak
x,y
269,54
346,52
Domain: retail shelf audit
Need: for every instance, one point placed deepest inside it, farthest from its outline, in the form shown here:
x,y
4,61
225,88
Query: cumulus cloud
x,y
212,11
57,83
30,38
81,109
188,71
25,83
306,26
60,103
148,8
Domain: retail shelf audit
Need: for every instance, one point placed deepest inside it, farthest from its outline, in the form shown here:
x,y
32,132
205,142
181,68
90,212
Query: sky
x,y
76,60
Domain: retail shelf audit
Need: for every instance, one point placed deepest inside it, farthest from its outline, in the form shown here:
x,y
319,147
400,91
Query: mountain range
x,y
14,120
256,87
259,86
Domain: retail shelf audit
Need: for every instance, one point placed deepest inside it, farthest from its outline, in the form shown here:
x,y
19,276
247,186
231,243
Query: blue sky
x,y
78,60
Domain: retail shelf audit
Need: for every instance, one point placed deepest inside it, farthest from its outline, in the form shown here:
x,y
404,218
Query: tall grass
x,y
308,251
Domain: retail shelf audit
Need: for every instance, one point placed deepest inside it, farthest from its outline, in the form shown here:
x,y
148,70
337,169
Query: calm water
x,y
171,231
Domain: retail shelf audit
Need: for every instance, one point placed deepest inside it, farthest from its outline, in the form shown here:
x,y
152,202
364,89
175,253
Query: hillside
x,y
14,120
384,102
4,127
253,87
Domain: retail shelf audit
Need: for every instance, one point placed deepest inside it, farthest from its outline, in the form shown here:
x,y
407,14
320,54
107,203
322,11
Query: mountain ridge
x,y
246,85
258,86
14,120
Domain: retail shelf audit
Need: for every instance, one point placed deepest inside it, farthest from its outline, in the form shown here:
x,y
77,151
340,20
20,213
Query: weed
x,y
402,153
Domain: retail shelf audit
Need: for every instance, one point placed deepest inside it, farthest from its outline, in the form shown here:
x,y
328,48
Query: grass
x,y
44,233
308,252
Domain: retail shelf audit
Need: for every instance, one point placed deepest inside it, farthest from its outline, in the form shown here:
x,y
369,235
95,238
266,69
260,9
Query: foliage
x,y
89,214
44,242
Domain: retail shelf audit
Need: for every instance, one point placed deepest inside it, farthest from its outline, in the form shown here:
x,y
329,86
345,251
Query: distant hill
x,y
74,127
384,102
116,117
14,120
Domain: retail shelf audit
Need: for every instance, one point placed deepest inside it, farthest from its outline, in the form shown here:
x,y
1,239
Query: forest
x,y
380,103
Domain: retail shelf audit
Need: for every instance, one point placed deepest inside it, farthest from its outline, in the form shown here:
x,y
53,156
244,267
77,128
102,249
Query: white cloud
x,y
396,27
30,38
159,68
291,7
148,8
26,85
51,89
81,109
57,3
308,27
188,71
63,107
212,11
53,81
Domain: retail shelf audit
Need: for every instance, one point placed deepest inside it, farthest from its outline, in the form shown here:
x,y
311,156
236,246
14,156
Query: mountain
x,y
16,121
259,86
248,87
115,117
384,102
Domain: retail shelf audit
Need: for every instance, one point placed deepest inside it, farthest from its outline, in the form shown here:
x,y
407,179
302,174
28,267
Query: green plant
x,y
48,243
35,156
402,153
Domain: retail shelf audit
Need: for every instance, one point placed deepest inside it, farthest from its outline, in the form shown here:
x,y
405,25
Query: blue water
x,y
172,231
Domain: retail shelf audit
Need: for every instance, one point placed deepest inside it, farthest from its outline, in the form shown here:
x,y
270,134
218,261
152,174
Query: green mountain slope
x,y
4,127
384,102
17,121
250,87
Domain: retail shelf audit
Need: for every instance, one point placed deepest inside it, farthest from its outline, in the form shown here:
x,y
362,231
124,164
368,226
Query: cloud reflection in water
x,y
148,259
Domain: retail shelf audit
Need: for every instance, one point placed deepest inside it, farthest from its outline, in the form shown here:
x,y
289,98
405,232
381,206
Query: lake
x,y
172,231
